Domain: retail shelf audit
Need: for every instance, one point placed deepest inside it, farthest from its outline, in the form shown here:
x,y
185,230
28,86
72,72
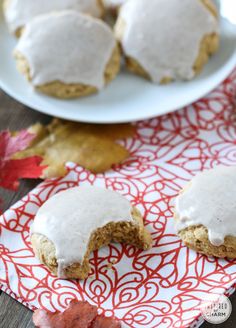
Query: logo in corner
x,y
216,308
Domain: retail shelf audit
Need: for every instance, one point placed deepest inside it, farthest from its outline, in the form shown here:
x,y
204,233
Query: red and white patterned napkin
x,y
161,287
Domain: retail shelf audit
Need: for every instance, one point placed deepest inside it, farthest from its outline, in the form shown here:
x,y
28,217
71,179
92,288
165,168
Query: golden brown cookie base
x,y
196,238
134,67
122,232
67,91
210,6
102,8
208,47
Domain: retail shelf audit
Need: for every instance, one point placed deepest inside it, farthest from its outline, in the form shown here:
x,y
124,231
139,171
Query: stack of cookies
x,y
66,49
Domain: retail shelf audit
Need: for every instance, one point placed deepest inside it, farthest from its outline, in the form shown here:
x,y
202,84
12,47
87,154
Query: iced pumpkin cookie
x,y
67,54
73,223
20,12
205,212
167,40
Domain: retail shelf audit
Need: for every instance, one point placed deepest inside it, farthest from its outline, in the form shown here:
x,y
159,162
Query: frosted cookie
x,y
20,12
73,223
205,212
67,54
167,40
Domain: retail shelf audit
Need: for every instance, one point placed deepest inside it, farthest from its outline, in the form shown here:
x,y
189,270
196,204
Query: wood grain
x,y
16,116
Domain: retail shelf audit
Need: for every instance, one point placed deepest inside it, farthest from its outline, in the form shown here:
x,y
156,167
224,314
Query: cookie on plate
x,y
167,40
74,222
20,12
205,212
67,54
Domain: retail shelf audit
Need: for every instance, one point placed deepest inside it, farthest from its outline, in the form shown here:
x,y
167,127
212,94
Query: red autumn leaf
x,y
11,170
16,169
9,144
77,315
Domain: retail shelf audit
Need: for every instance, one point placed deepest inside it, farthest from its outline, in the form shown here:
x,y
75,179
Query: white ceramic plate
x,y
128,98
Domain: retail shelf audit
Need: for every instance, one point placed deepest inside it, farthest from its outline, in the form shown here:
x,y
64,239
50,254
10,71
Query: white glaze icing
x,y
69,47
210,200
113,3
20,12
164,35
69,218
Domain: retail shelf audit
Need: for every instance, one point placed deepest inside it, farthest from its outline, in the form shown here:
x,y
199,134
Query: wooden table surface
x,y
16,116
